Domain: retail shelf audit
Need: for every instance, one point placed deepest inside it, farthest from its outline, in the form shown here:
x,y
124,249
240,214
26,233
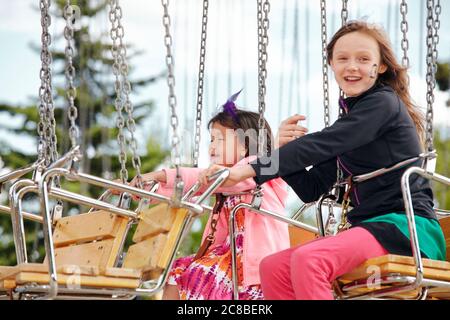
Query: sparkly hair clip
x,y
230,107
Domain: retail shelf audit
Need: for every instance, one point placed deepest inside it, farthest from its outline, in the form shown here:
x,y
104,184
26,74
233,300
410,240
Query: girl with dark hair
x,y
207,275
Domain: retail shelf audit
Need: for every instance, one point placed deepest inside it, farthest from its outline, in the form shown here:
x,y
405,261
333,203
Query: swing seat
x,y
391,267
298,236
88,246
155,240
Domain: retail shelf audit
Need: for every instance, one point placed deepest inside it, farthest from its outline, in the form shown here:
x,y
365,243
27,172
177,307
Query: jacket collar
x,y
348,103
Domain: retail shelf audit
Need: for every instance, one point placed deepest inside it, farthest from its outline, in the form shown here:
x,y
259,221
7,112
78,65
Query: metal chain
x,y
404,28
437,26
201,73
123,91
263,42
344,18
47,124
432,39
344,12
71,91
171,83
117,53
326,99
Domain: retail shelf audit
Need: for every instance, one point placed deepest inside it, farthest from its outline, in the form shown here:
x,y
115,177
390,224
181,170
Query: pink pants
x,y
306,272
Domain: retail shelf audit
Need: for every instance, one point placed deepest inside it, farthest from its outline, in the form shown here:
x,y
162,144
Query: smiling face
x,y
225,148
356,63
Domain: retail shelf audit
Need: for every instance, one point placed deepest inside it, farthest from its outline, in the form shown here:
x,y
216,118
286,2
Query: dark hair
x,y
247,121
395,76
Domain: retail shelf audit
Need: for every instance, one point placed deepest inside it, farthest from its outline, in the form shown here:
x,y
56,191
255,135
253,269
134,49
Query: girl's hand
x,y
159,176
115,191
237,174
289,130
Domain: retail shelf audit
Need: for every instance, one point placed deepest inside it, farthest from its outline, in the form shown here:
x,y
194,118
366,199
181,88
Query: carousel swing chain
x,y
404,28
47,147
123,90
344,18
178,190
201,73
47,123
70,73
331,221
117,29
433,24
326,100
344,12
263,42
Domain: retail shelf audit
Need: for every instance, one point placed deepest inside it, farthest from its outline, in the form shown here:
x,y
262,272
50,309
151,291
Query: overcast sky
x,y
294,75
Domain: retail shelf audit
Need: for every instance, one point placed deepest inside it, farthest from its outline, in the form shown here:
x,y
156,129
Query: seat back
x,y
298,236
90,239
155,240
445,225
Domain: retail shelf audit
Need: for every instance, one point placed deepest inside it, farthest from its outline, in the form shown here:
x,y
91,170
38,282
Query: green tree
x,y
443,76
442,192
95,102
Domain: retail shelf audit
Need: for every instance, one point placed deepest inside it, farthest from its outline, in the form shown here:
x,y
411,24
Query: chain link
x,y
117,52
344,12
344,18
70,72
433,25
171,83
263,42
47,124
437,26
201,73
123,91
326,99
404,28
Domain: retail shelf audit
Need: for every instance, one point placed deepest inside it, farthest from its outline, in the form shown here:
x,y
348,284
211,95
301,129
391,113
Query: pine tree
x,y
96,117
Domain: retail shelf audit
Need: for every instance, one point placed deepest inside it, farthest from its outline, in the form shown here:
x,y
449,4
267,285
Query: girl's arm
x,y
191,175
310,185
368,119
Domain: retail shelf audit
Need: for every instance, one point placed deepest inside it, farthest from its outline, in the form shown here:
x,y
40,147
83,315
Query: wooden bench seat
x,y
403,266
155,239
70,275
87,247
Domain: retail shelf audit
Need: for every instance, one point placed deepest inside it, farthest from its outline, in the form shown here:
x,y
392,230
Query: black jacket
x,y
375,132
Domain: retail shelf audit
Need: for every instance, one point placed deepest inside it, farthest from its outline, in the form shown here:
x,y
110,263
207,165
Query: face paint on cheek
x,y
373,71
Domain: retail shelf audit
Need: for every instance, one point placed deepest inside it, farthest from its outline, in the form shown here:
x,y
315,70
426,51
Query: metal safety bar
x,y
52,288
232,231
15,174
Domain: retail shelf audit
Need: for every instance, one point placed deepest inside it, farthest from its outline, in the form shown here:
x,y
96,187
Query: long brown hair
x,y
247,121
395,76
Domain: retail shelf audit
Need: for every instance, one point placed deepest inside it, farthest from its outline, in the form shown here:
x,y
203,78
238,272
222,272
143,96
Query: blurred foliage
x,y
443,76
94,81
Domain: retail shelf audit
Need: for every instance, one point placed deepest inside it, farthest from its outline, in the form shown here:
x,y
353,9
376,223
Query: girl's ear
x,y
382,68
332,65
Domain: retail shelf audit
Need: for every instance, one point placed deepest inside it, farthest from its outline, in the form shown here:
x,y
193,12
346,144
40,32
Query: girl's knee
x,y
267,264
306,257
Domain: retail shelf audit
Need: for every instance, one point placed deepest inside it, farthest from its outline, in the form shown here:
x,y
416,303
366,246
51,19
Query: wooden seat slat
x,y
394,264
153,221
86,227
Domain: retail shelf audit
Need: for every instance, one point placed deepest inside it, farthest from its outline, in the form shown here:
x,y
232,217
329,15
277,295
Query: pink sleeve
x,y
190,177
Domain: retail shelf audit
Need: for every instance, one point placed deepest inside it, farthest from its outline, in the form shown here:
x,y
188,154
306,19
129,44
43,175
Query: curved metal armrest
x,y
15,174
73,154
217,180
442,213
379,172
407,198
